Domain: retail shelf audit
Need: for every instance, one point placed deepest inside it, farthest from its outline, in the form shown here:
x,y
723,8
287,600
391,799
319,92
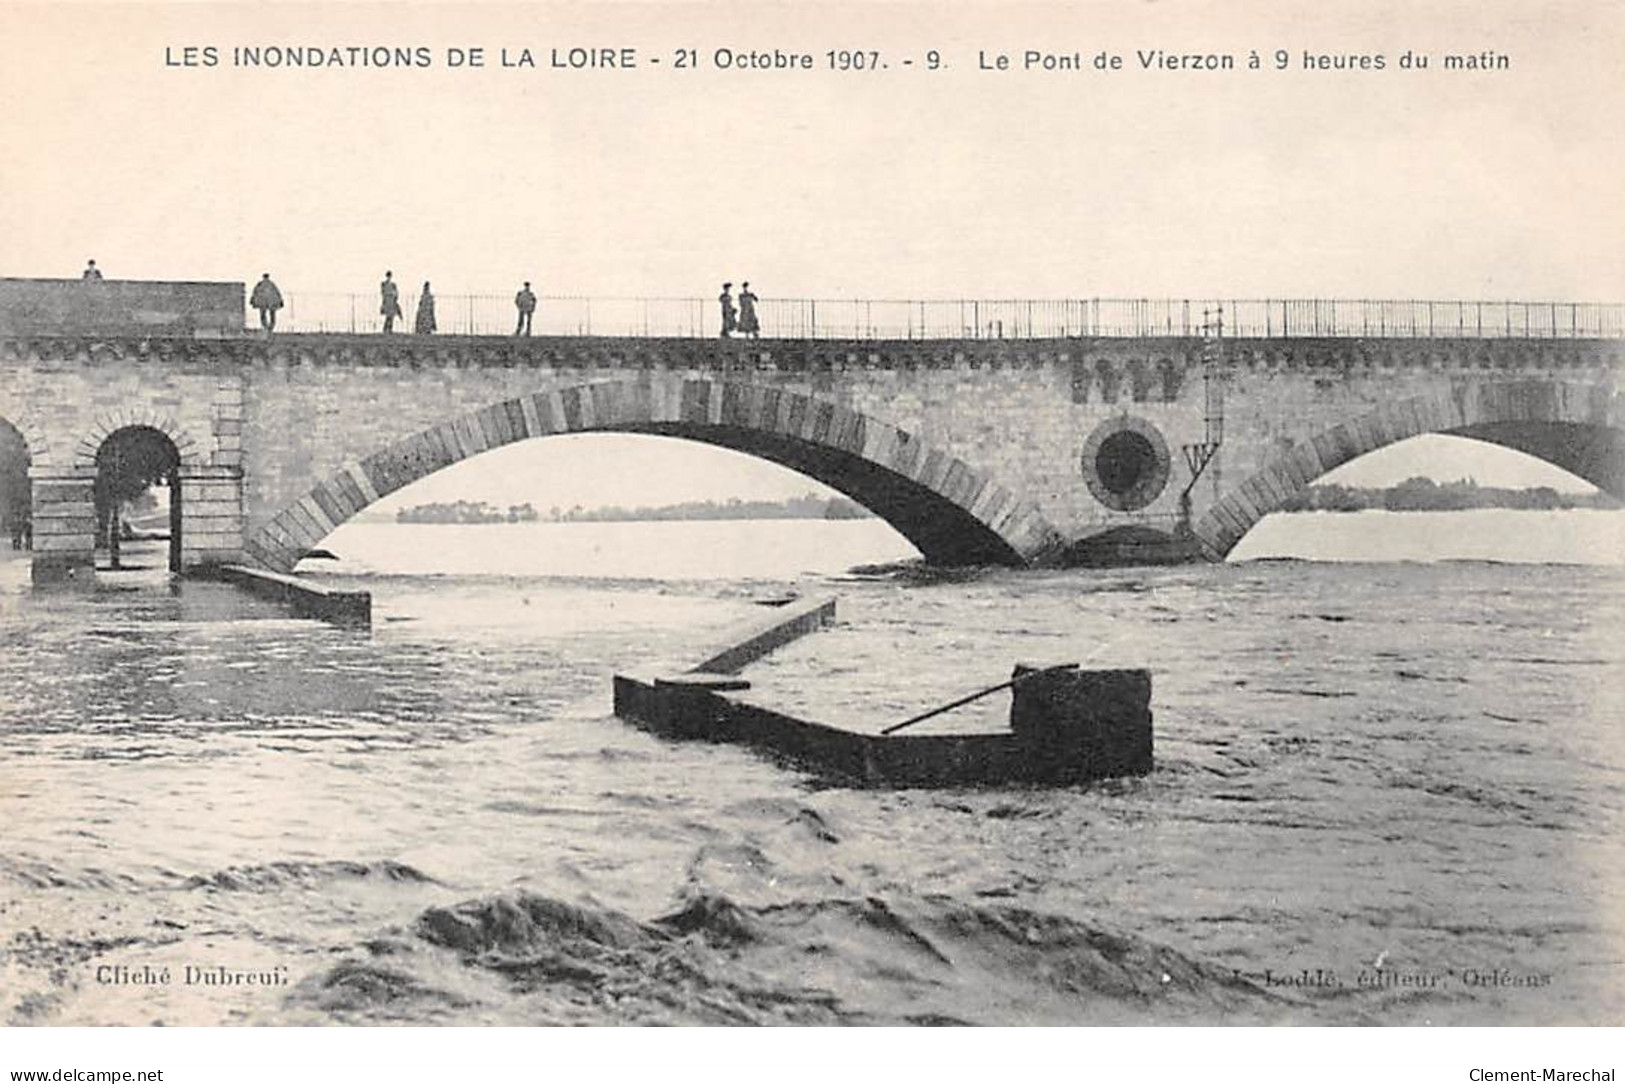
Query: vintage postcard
x,y
810,514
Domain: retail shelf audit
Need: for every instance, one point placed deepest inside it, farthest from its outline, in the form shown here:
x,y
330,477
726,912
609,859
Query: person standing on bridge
x,y
92,273
726,300
525,302
425,318
267,299
390,296
748,324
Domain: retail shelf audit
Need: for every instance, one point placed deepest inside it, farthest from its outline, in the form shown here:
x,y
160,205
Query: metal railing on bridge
x,y
846,319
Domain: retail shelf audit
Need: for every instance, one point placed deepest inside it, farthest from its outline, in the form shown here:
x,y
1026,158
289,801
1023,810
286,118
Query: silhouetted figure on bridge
x,y
425,318
92,273
748,324
267,299
726,300
525,302
390,301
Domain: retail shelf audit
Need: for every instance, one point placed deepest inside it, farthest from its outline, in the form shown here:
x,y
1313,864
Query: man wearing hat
x,y
525,302
267,299
726,300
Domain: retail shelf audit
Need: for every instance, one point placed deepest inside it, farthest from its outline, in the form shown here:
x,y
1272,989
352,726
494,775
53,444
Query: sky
x,y
903,182
900,183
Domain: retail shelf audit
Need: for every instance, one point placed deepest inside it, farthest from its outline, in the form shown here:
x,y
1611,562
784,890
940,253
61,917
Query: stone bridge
x,y
1036,451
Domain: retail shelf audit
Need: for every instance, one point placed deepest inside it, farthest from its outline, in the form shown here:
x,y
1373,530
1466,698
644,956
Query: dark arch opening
x,y
129,464
16,491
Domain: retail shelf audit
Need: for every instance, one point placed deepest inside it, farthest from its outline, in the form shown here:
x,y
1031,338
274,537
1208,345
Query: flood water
x,y
1385,792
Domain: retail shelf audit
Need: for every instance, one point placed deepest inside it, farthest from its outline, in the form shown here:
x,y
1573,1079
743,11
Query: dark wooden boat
x,y
1068,725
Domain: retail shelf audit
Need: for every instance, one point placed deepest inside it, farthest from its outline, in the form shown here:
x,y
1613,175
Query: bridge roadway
x,y
1031,451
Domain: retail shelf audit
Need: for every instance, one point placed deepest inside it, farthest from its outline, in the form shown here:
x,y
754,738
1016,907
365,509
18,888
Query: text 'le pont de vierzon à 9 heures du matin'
x,y
615,59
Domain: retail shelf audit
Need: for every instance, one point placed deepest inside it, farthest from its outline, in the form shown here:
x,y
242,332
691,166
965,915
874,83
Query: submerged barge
x,y
1067,725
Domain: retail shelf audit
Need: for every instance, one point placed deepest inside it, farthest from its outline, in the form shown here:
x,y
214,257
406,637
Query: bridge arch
x,y
135,417
130,460
16,488
26,423
953,513
1577,426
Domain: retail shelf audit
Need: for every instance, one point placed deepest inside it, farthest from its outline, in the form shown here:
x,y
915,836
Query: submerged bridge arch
x,y
1579,426
952,512
27,424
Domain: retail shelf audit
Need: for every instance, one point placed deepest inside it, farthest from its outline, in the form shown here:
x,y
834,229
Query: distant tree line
x,y
466,512
807,506
1426,495
1411,495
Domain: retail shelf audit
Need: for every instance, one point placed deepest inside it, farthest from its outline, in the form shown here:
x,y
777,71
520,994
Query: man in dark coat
x,y
726,300
267,299
92,273
390,296
525,302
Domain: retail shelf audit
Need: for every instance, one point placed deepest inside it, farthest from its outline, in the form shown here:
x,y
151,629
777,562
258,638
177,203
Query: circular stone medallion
x,y
1125,462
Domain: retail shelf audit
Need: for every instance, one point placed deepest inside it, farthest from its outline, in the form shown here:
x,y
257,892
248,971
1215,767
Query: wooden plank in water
x,y
351,609
717,683
748,642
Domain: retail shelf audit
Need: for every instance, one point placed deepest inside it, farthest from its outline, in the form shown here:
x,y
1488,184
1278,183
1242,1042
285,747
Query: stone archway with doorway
x,y
130,463
67,519
16,496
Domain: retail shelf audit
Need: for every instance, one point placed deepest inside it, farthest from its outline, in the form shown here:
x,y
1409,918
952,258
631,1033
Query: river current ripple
x,y
1385,793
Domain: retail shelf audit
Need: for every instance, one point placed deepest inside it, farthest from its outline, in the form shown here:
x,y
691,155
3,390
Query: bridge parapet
x,y
192,309
1328,355
970,319
120,307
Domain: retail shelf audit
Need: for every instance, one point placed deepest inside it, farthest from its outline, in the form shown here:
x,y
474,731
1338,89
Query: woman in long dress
x,y
748,324
425,319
